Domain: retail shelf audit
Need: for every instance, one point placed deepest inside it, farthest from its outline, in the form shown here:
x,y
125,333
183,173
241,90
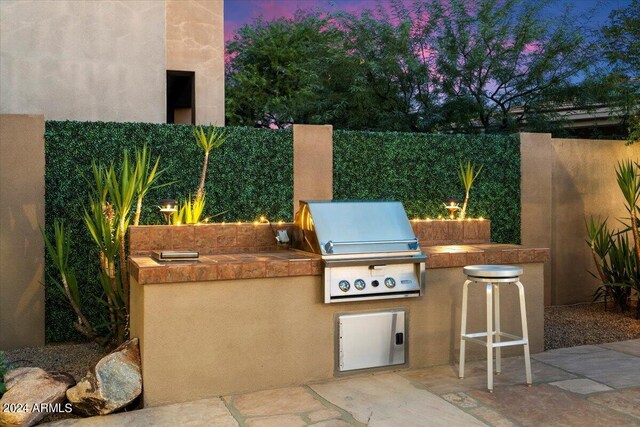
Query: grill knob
x,y
359,284
390,282
344,285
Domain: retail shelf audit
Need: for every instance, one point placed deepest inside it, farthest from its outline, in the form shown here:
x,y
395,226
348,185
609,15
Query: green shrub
x,y
3,370
421,170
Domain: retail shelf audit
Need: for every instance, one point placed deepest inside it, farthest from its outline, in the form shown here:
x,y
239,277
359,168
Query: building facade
x,y
113,60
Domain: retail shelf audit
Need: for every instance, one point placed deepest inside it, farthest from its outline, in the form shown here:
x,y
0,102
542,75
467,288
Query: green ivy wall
x,y
421,170
252,174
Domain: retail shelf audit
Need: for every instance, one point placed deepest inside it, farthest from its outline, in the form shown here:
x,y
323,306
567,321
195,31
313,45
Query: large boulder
x,y
113,383
33,393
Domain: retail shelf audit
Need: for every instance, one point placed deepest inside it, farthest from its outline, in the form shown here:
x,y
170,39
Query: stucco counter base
x,y
204,338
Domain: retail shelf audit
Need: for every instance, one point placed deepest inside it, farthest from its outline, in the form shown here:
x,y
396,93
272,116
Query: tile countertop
x,y
291,262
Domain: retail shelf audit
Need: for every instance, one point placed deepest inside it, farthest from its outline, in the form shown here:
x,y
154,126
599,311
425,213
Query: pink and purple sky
x,y
240,12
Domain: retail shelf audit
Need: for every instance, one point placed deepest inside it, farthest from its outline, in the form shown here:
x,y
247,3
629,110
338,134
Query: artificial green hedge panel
x,y
421,171
250,175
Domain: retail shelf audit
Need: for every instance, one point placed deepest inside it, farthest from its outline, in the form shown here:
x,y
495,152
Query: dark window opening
x,y
181,97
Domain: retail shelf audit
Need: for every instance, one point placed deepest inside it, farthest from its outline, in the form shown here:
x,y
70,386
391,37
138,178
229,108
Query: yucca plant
x,y
58,252
107,216
122,193
467,174
628,178
102,222
213,139
147,177
614,263
616,256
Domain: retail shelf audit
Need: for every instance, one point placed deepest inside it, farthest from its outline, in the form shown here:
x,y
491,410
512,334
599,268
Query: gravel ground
x,y
580,324
75,359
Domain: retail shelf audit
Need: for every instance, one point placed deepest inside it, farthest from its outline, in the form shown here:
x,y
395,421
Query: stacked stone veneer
x,y
246,237
452,232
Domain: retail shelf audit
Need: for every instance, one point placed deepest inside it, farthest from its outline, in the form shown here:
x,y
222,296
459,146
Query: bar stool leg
x,y
489,288
525,333
463,327
496,299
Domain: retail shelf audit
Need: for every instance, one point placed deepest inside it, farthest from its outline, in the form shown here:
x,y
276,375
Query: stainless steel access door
x,y
371,340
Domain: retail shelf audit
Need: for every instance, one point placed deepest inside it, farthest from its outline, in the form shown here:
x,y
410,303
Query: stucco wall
x,y
195,42
83,60
563,182
312,163
21,246
213,338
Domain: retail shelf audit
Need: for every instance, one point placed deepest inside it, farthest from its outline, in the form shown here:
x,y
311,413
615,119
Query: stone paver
x,y
572,387
277,421
581,386
626,401
631,347
291,400
545,405
491,417
332,423
391,400
206,412
460,399
610,367
444,379
324,414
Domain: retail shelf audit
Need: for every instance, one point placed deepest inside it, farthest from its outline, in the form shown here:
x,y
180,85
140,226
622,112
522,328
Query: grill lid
x,y
355,227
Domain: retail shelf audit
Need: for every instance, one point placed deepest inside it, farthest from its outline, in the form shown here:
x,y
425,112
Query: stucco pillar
x,y
536,192
312,163
21,245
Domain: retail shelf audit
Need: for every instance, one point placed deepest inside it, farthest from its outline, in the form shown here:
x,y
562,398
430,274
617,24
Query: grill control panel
x,y
375,281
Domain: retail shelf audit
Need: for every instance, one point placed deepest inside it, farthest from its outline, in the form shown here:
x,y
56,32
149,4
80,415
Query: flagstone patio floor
x,y
577,386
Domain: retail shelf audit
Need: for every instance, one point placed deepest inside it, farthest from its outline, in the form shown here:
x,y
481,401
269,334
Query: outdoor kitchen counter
x,y
291,262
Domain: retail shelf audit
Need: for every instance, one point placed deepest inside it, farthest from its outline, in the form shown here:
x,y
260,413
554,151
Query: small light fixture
x,y
168,207
452,205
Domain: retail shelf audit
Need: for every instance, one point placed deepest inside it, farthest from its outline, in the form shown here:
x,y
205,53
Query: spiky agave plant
x,y
191,211
467,174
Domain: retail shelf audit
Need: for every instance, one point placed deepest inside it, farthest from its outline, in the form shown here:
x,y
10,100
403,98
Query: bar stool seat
x,y
494,276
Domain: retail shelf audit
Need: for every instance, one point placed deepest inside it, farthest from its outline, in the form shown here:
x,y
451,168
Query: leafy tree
x,y
392,86
496,55
621,46
278,68
355,72
622,39
438,65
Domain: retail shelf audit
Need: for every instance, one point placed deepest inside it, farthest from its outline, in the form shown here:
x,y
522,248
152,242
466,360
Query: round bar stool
x,y
494,276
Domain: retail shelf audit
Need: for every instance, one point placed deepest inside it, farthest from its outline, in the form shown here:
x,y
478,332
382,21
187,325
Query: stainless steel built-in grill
x,y
369,250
